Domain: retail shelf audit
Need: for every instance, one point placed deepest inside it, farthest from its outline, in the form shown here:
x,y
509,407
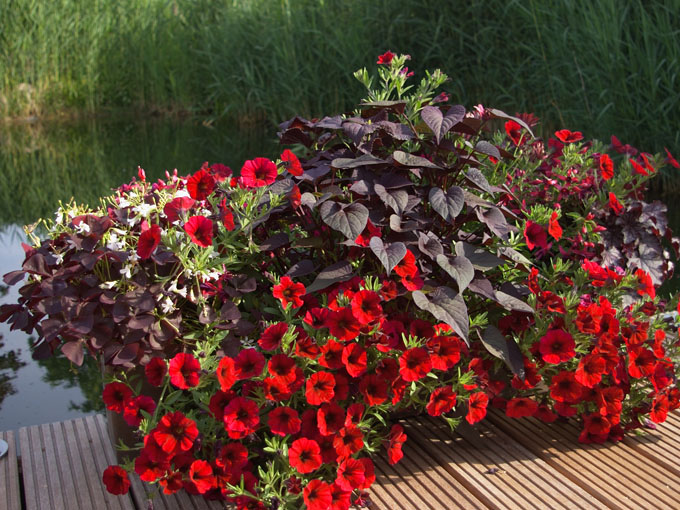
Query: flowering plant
x,y
287,313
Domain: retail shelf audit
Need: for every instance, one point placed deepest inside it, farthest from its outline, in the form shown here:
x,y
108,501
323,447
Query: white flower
x,y
173,288
83,228
59,257
59,217
144,209
115,244
167,305
108,285
123,203
126,272
182,193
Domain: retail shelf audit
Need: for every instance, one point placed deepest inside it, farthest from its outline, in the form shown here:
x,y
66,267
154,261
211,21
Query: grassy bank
x,y
604,67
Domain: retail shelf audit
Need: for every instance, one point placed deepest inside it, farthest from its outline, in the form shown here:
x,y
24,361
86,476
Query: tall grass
x,y
605,67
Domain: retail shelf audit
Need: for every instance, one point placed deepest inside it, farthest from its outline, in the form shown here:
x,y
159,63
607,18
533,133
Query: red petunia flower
x,y
284,420
249,363
565,388
304,455
241,417
200,230
623,149
514,132
374,389
183,370
289,292
442,400
132,413
258,172
320,388
412,282
407,266
317,495
544,414
364,239
155,371
282,367
149,469
116,480
341,498
386,58
171,482
557,346
535,236
445,351
226,216
220,172
590,370
477,404
566,136
396,439
148,241
521,407
291,163
175,432
354,357
641,362
116,395
610,400
660,406
606,167
638,168
348,441
218,402
178,207
270,339
226,373
232,457
350,474
201,474
414,364
670,159
343,325
200,185
596,424
331,354
330,418
554,228
614,204
366,306
645,284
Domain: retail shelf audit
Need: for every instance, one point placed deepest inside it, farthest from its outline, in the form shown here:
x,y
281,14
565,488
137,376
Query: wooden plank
x,y
69,486
615,485
33,467
10,496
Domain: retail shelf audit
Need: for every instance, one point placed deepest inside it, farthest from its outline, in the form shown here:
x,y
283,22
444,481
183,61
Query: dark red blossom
x,y
201,474
414,364
341,498
343,325
317,495
155,371
348,441
148,241
554,228
288,292
241,417
521,407
132,413
331,354
249,363
535,236
232,457
178,207
271,337
291,163
150,469
366,306
622,149
442,400
200,185
386,58
606,167
320,388
282,367
284,421
445,351
116,480
183,370
355,359
305,455
374,389
590,370
641,362
396,439
200,230
407,266
645,284
350,474
557,346
175,432
659,410
330,418
670,159
477,404
258,172
226,373
566,136
514,132
565,388
116,395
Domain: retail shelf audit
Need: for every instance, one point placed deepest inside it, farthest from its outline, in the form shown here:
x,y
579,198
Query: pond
x,y
42,164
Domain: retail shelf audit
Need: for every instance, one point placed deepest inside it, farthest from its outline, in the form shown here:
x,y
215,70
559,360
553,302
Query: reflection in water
x,y
10,362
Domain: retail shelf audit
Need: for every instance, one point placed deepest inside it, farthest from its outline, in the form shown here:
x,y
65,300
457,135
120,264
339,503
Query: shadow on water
x,y
42,164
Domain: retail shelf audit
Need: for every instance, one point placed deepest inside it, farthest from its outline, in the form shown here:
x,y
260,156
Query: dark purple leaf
x,y
649,257
459,268
429,245
13,277
445,305
357,130
74,352
315,173
474,201
374,107
143,321
127,355
398,226
229,312
36,264
512,303
396,199
480,258
503,348
338,272
410,160
441,124
477,179
207,315
302,268
389,254
330,122
350,219
487,148
448,204
483,287
393,181
274,242
141,300
495,220
499,114
511,254
363,160
396,130
362,187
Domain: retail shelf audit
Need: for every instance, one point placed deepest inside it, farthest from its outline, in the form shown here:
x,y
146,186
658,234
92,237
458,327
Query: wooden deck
x,y
500,464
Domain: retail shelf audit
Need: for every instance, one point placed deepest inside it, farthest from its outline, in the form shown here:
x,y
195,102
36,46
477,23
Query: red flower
x,y
241,417
183,371
249,363
641,362
226,216
258,172
305,455
343,325
232,457
200,185
155,371
645,284
348,441
386,58
407,266
317,495
220,172
514,132
521,407
477,404
606,167
175,432
289,292
659,410
291,163
226,373
596,424
330,418
218,402
178,207
331,354
670,159
557,346
272,336
442,400
284,420
320,388
282,367
132,413
354,358
350,474
364,239
554,228
201,474
116,395
172,482
150,470
623,149
200,230
565,388
116,480
414,364
445,351
566,136
396,439
148,241
638,168
610,400
366,306
374,389
590,370
341,498
535,236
